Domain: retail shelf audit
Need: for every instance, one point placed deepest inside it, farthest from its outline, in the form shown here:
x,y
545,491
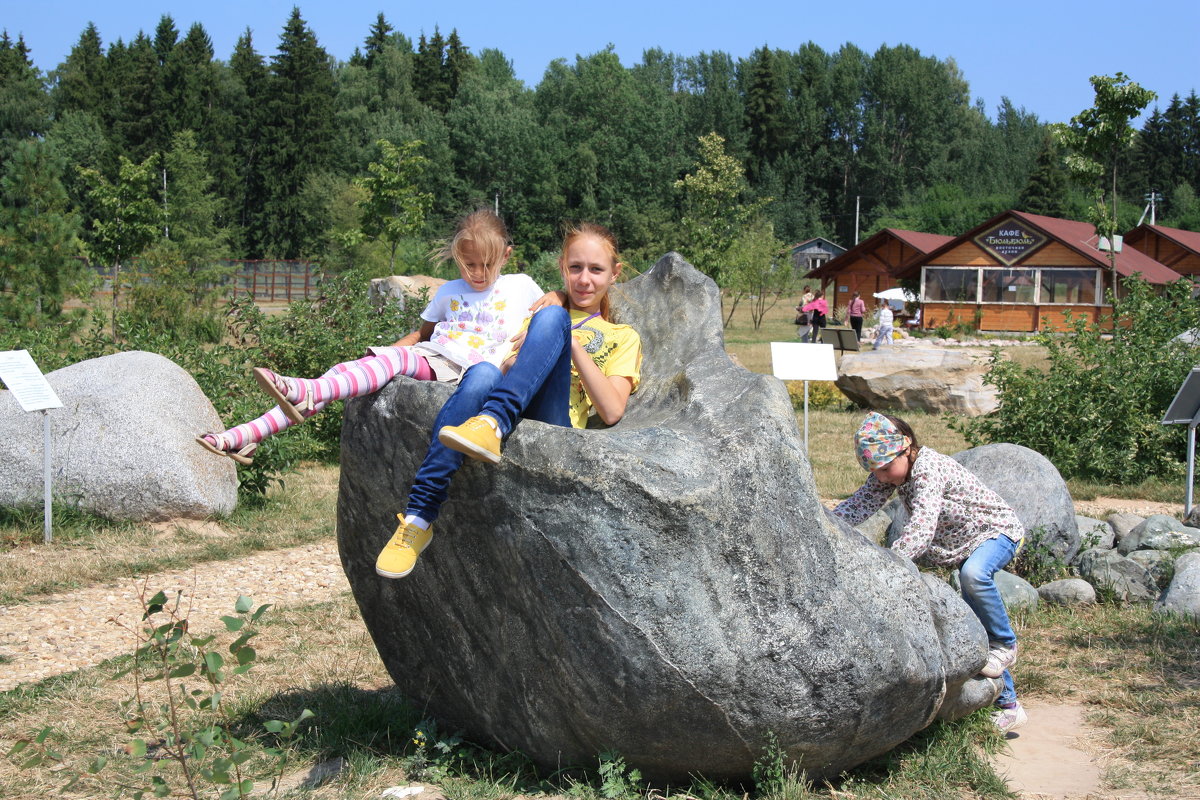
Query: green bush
x,y
821,394
1096,412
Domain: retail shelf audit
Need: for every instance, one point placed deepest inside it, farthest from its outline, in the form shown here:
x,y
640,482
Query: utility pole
x,y
857,201
1152,201
497,204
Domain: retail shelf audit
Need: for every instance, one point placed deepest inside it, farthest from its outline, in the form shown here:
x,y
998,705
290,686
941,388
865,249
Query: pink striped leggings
x,y
342,381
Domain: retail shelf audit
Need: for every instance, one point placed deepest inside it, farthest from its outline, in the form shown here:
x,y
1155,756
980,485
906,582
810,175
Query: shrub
x,y
1095,413
821,394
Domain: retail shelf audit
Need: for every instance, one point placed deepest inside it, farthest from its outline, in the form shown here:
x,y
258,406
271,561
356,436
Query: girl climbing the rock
x,y
953,521
470,321
568,364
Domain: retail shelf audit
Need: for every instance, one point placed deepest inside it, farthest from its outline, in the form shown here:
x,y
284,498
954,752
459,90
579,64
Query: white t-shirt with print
x,y
470,326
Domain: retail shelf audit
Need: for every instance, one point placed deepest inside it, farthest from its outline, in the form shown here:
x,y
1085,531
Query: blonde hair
x,y
578,230
486,230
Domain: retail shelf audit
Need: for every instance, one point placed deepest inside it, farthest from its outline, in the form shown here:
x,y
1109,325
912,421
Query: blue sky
x,y
1039,54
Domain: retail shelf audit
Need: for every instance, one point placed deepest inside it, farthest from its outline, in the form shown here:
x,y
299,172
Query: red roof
x,y
1188,240
921,242
1078,236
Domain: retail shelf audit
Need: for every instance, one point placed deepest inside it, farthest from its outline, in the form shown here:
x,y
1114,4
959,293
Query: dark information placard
x,y
1010,241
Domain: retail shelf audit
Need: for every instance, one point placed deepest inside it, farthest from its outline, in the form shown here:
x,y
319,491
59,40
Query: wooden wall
x,y
995,317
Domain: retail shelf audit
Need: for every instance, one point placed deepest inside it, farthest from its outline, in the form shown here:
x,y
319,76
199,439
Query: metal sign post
x,y
34,393
1185,408
794,361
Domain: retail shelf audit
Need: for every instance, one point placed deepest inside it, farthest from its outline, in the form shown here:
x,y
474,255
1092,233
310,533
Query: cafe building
x,y
1171,247
1024,272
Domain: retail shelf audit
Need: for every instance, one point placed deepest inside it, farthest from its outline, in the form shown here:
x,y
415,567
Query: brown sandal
x,y
293,411
243,456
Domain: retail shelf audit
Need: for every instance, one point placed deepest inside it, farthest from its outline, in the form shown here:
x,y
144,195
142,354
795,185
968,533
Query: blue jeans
x,y
536,386
977,576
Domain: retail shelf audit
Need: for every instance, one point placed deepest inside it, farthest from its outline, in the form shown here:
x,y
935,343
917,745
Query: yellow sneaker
x,y
399,555
478,437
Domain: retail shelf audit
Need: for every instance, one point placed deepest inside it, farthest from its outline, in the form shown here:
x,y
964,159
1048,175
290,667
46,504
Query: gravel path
x,y
69,631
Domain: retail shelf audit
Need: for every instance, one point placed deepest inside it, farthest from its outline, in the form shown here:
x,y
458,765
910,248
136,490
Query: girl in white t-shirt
x,y
885,325
469,321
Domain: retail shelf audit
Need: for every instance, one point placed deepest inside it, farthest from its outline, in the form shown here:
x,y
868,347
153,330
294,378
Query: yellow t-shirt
x,y
616,350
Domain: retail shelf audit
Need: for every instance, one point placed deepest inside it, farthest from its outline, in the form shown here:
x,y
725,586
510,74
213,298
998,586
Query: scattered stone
x,y
875,526
1016,591
1117,577
1183,595
1095,533
671,586
929,379
1159,563
1068,592
1122,523
123,444
1159,532
400,288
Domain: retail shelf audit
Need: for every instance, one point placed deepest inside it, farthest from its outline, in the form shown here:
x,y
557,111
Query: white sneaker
x,y
1008,718
999,659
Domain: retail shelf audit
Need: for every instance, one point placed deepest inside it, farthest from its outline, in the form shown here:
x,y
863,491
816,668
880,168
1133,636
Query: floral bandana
x,y
878,442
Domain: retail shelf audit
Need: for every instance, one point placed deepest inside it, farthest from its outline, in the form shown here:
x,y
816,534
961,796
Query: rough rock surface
x,y
1122,523
670,587
1159,563
1159,532
1029,483
927,379
1095,533
1183,595
400,288
1016,591
1068,592
1111,573
122,445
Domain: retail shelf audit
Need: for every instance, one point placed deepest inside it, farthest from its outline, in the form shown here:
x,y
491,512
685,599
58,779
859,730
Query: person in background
x,y
885,325
802,317
817,309
856,312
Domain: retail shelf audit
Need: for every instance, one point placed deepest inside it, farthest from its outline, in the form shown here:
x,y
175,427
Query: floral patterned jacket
x,y
950,511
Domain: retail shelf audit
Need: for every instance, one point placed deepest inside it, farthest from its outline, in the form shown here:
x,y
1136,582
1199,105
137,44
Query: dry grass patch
x,y
89,550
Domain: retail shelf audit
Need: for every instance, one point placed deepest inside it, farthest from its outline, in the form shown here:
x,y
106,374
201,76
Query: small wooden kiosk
x,y
872,265
1024,272
1171,247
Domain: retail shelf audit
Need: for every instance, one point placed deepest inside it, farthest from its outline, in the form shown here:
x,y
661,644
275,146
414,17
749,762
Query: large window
x,y
951,285
1069,286
1009,286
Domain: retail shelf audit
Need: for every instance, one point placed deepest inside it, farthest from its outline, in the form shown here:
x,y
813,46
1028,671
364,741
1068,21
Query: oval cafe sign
x,y
1010,241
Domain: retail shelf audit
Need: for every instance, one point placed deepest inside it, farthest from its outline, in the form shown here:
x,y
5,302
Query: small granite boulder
x,y
1159,532
926,379
1068,592
1095,533
1016,591
123,444
1122,523
1159,563
1121,578
1183,595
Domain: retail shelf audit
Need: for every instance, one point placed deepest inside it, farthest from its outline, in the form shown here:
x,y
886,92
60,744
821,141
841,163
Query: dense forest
x,y
153,139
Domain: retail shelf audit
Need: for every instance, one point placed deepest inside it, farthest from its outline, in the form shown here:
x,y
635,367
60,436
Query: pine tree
x,y
299,138
243,104
82,77
459,64
376,40
24,108
134,81
38,264
430,78
1046,192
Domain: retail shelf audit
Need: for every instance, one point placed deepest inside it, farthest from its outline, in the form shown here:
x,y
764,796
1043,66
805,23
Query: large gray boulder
x,y
926,379
1030,484
1159,532
670,588
1116,577
1183,595
122,445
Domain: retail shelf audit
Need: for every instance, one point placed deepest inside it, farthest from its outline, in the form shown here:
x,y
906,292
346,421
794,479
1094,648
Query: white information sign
x,y
26,381
795,361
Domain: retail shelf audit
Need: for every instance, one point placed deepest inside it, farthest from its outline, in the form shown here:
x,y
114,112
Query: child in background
x,y
469,321
569,362
856,311
884,336
954,521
